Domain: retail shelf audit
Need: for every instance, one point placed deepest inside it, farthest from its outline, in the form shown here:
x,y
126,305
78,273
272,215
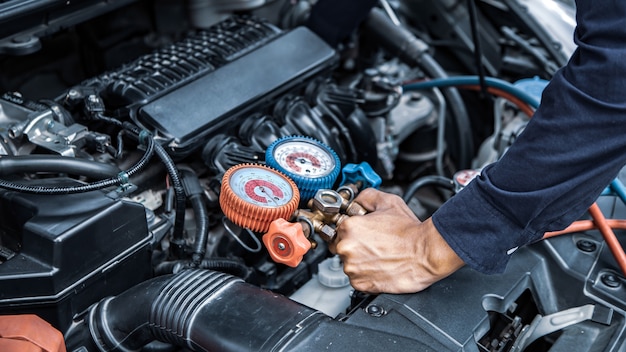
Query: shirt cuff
x,y
477,231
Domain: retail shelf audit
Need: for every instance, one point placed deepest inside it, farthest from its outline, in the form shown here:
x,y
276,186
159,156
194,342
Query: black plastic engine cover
x,y
72,250
189,114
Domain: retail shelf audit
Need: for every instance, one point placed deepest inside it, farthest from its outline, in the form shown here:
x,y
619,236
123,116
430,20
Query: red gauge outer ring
x,y
251,216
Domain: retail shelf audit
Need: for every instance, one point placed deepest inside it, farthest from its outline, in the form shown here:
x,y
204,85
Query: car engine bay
x,y
171,173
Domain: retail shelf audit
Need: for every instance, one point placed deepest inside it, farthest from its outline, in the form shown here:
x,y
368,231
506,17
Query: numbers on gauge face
x,y
303,158
261,187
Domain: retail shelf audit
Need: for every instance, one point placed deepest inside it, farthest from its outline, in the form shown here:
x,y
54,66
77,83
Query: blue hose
x,y
455,81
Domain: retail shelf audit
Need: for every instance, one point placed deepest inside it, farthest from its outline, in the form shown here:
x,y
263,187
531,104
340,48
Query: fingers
x,y
388,251
374,200
369,198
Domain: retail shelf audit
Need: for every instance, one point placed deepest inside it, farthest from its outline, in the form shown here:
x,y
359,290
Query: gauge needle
x,y
267,195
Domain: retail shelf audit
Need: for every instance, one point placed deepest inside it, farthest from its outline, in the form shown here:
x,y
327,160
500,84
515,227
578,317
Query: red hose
x,y
525,108
605,226
609,236
599,221
586,225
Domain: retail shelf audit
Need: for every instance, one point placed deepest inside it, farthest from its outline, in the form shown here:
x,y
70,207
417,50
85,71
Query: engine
x,y
171,174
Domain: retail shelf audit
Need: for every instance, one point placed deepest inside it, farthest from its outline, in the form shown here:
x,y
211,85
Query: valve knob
x,y
363,172
286,243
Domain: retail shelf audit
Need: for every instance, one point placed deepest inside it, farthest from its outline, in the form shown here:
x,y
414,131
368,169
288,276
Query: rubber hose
x,y
195,309
179,195
195,194
396,40
413,51
202,228
424,181
459,113
224,265
203,310
122,178
10,165
475,80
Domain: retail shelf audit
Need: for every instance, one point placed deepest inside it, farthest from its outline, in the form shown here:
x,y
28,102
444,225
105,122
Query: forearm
x,y
573,147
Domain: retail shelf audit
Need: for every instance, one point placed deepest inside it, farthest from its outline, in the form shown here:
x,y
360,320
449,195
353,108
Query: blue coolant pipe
x,y
456,81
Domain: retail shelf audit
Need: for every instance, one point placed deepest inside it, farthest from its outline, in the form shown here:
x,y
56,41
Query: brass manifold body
x,y
327,210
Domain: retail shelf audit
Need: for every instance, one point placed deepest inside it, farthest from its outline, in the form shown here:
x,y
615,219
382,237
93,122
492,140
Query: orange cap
x,y
286,243
29,333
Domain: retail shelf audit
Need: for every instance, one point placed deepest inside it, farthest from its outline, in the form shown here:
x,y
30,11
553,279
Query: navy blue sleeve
x,y
572,148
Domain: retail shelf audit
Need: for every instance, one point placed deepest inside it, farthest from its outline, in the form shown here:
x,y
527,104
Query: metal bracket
x,y
42,130
544,325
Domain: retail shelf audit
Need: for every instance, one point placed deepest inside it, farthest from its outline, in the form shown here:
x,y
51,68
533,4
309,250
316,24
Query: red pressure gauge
x,y
252,196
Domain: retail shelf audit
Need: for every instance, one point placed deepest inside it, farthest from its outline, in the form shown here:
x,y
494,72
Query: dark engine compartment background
x,y
214,84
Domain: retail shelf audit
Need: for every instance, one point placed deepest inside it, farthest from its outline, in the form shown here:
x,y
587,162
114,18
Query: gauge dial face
x,y
304,158
261,187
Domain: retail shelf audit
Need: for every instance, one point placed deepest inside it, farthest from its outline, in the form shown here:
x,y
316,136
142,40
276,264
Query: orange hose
x,y
525,108
605,226
609,236
586,225
599,221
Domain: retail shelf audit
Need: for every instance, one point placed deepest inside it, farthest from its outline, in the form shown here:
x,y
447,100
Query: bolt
x,y
327,201
281,246
610,280
375,311
586,246
327,233
73,93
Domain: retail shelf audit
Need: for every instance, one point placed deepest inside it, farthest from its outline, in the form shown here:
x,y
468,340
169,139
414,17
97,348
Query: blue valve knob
x,y
363,172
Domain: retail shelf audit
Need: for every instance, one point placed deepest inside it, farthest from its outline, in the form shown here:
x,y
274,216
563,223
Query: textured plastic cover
x,y
71,247
208,103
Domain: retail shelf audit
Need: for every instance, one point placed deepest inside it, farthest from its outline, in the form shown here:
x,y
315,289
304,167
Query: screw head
x,y
586,246
611,280
375,311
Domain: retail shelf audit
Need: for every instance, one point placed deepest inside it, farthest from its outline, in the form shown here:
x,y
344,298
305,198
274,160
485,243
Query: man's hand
x,y
389,249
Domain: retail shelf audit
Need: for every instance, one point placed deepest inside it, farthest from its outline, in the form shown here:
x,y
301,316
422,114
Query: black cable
x,y
549,66
179,195
195,194
121,179
424,181
410,49
55,163
100,117
478,54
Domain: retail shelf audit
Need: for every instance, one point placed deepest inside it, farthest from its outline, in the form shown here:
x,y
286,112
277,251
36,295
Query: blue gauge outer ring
x,y
307,186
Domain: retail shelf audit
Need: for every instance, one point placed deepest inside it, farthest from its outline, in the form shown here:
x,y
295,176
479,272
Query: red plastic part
x,y
29,333
286,243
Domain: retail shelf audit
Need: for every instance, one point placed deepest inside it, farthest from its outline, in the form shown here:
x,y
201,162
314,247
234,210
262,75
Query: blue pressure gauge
x,y
311,164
